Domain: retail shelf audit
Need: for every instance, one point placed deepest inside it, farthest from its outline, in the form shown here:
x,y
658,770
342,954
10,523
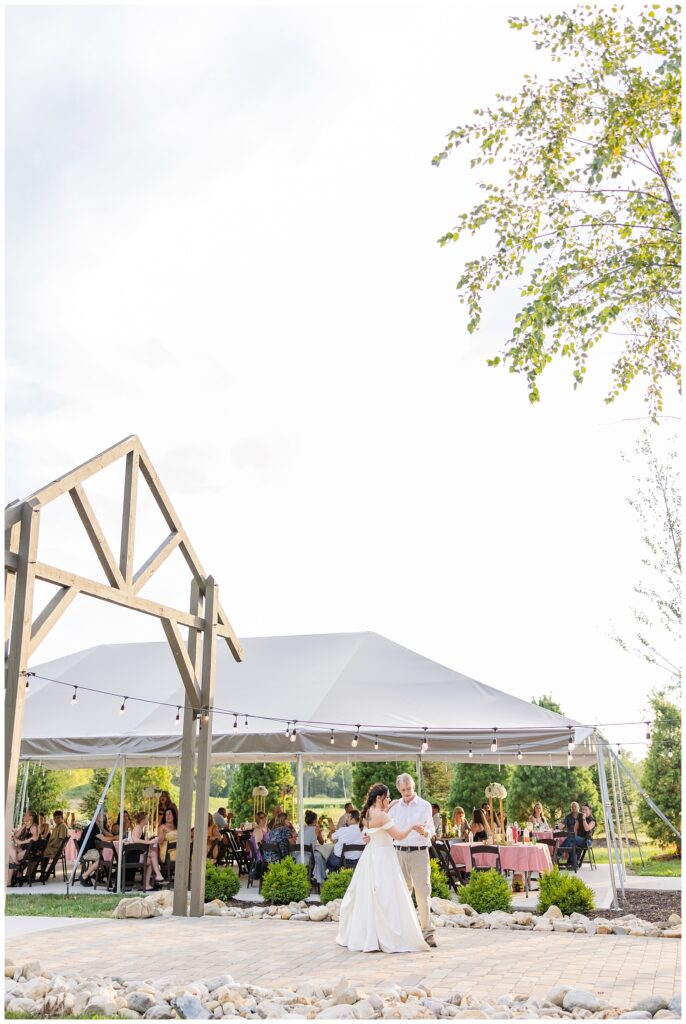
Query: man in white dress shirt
x,y
414,855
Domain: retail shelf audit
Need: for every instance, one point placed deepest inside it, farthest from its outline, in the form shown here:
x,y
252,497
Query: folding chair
x,y
238,852
168,865
134,863
566,857
351,862
49,864
455,874
480,851
309,860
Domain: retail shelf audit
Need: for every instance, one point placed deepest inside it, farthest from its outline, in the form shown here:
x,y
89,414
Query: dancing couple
x,y
377,911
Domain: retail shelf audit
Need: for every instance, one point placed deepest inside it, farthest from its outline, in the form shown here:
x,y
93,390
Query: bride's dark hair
x,y
375,791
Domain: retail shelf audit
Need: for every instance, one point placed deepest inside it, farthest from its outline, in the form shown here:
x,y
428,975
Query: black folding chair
x,y
107,866
49,864
351,862
134,863
482,850
238,852
456,875
168,865
566,856
25,871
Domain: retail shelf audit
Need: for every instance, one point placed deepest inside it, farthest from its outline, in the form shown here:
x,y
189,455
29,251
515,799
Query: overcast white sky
x,y
221,236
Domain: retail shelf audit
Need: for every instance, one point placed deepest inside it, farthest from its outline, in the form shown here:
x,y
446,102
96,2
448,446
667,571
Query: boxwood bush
x,y
565,891
220,883
439,881
336,885
486,891
286,882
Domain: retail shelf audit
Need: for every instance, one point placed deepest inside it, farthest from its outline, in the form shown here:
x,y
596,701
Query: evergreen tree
x,y
366,773
137,780
436,778
662,773
469,784
95,788
45,789
247,776
555,788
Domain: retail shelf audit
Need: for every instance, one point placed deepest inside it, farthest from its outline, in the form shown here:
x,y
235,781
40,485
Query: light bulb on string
x,y
288,730
205,715
293,734
425,743
649,738
494,742
356,737
520,755
178,714
570,742
332,741
376,743
670,752
122,709
235,725
245,723
471,752
27,679
73,699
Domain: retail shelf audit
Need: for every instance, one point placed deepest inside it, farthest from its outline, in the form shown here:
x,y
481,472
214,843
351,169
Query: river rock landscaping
x,y
33,991
446,914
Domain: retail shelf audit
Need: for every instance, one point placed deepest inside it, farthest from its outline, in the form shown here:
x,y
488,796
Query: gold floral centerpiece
x,y
496,792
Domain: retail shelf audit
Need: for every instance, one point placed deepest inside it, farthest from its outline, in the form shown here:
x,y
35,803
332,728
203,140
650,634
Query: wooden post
x,y
202,786
18,655
120,854
183,842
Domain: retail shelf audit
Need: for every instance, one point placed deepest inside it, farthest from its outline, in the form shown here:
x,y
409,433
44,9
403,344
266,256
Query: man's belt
x,y
410,849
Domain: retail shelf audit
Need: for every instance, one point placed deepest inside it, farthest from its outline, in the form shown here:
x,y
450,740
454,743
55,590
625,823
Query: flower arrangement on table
x,y
496,792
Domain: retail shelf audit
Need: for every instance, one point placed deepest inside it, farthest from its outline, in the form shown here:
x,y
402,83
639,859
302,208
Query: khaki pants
x,y
414,865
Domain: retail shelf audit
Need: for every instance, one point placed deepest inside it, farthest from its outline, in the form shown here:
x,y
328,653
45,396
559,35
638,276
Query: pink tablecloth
x,y
70,850
522,857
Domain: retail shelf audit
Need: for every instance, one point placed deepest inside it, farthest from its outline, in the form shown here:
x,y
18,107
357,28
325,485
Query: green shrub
x,y
565,891
220,883
439,881
335,886
286,882
486,891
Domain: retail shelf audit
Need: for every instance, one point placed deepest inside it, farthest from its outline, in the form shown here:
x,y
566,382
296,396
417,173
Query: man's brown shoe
x,y
431,942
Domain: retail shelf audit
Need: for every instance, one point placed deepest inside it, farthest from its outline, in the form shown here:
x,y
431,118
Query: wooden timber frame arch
x,y
206,621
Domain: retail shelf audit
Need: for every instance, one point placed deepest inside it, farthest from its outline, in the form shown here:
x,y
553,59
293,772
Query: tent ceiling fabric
x,y
332,678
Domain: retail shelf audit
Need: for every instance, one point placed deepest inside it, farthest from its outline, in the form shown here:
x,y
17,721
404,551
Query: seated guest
x,y
90,858
153,862
214,840
348,835
260,834
22,839
345,816
167,833
537,819
59,833
479,827
460,824
283,834
43,828
165,802
438,823
579,827
277,809
311,836
220,818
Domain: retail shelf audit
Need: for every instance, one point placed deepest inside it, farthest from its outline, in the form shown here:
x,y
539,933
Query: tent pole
x,y
609,827
420,777
653,806
96,813
120,854
22,795
187,780
624,790
617,819
301,808
620,794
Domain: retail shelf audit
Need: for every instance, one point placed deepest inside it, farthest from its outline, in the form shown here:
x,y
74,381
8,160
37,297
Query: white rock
x,y
363,1010
103,1007
673,919
318,913
543,925
446,907
341,1012
553,912
523,917
285,913
581,999
557,994
270,1010
562,926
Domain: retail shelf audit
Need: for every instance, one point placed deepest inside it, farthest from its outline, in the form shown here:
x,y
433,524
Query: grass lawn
x,y
665,868
49,905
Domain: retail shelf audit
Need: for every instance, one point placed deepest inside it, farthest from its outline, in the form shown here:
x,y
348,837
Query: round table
x,y
71,850
523,857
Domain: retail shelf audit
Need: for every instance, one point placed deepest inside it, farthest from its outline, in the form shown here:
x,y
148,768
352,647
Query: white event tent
x,y
323,685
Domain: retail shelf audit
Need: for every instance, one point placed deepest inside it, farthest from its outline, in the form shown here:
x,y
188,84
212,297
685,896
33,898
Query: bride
x,y
377,910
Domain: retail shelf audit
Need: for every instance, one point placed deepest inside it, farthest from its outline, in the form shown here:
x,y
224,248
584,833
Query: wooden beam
x,y
183,661
202,782
97,537
11,545
87,469
187,779
102,592
18,656
128,516
54,609
157,558
158,492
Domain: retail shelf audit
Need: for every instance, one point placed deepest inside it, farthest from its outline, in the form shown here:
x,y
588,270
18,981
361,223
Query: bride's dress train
x,y
377,911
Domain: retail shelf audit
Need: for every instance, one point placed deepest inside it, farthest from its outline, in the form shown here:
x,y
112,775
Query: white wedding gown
x,y
377,910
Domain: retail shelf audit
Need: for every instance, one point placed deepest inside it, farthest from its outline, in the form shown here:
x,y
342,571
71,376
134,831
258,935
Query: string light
x,y
246,722
356,737
649,738
27,679
471,752
570,742
178,713
425,743
293,734
332,741
73,699
520,755
205,715
670,752
235,725
287,733
122,709
494,742
376,743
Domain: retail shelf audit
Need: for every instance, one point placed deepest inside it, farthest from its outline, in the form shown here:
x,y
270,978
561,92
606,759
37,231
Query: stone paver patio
x,y
621,969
